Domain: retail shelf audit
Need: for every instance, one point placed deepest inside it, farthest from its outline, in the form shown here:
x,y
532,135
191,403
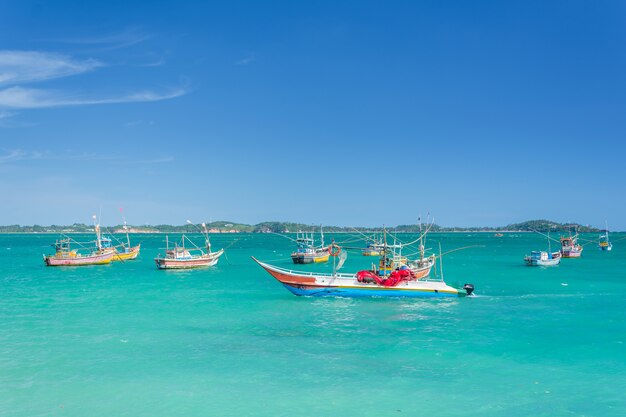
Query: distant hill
x,y
549,226
223,226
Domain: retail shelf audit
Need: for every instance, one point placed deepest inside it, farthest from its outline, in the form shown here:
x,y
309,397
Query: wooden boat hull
x,y
99,259
199,262
347,285
573,253
127,256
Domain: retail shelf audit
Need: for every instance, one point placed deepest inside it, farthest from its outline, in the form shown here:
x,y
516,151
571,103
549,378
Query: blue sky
x,y
347,113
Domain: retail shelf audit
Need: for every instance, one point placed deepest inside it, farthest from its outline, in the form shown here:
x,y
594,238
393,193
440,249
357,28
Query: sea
x,y
127,339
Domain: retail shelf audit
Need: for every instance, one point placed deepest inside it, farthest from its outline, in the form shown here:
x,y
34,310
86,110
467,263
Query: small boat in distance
x,y
498,235
66,256
307,252
182,257
604,243
374,245
541,258
570,247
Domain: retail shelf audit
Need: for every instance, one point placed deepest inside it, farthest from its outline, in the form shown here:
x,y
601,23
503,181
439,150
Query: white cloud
x,y
32,98
30,66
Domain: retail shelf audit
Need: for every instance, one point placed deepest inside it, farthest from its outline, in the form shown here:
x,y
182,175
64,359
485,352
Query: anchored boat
x,y
541,258
604,243
570,247
66,256
122,252
373,247
362,284
405,280
307,252
184,257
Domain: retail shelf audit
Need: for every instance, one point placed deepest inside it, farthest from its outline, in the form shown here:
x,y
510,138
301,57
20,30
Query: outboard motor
x,y
469,288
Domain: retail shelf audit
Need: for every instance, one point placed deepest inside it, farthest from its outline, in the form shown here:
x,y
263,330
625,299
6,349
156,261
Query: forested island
x,y
288,227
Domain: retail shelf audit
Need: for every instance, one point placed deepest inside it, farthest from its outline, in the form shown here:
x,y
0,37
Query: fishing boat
x,y
184,257
541,258
570,247
307,252
400,283
373,247
122,251
66,256
604,242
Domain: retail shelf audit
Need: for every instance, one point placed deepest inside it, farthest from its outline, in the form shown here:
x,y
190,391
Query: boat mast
x,y
127,237
384,251
97,229
549,247
440,262
206,238
419,219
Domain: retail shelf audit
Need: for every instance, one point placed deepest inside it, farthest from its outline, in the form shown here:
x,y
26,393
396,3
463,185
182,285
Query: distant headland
x,y
543,226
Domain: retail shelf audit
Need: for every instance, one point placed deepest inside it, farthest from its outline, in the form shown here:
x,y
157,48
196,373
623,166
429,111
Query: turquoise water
x,y
130,340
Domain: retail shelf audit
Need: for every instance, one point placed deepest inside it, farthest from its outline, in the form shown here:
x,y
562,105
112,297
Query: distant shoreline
x,y
229,227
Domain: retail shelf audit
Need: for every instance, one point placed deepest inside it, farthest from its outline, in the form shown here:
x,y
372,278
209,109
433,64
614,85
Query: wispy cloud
x,y
29,66
247,60
16,155
32,98
128,37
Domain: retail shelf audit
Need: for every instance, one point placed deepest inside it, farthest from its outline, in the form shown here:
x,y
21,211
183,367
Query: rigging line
x,y
362,234
190,241
282,235
458,249
420,236
548,236
113,236
232,243
617,240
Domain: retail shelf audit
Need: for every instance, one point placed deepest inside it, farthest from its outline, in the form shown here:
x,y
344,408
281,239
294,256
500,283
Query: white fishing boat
x,y
188,255
541,258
